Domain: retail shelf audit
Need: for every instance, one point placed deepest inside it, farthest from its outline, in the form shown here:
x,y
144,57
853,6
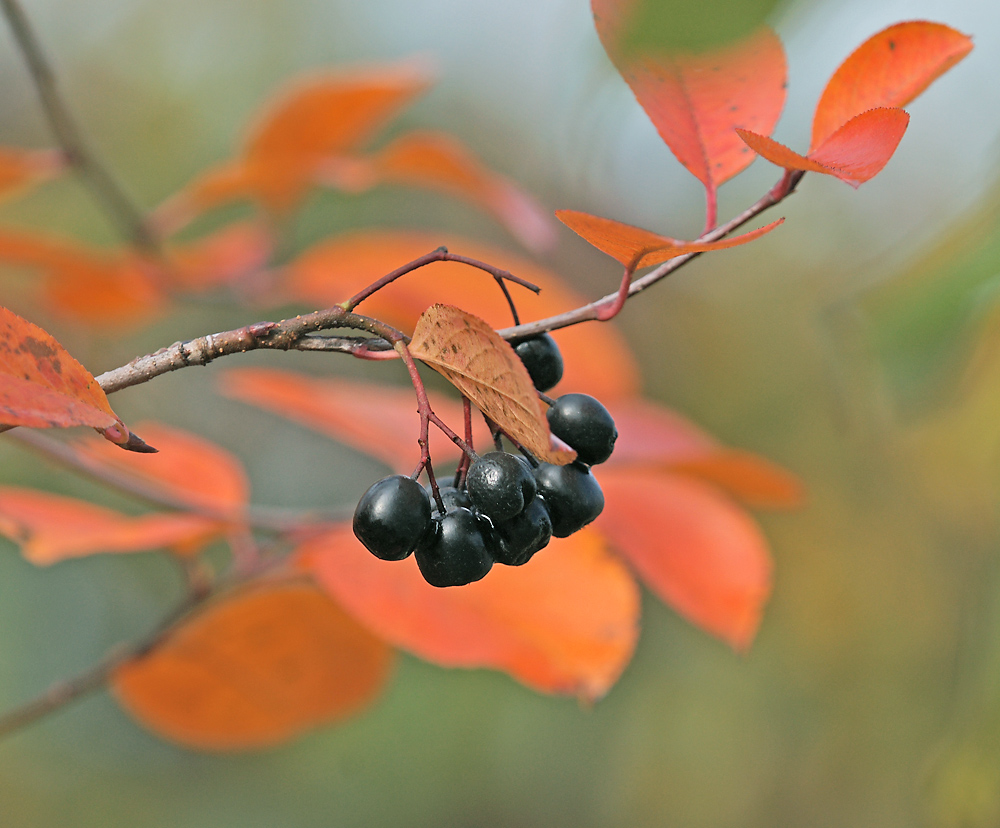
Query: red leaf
x,y
187,468
598,360
888,70
254,670
637,248
50,528
854,153
754,480
695,101
696,550
566,622
379,420
41,385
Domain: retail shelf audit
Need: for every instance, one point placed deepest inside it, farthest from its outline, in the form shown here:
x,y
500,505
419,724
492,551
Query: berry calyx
x,y
584,425
500,485
392,517
522,536
540,355
455,551
571,494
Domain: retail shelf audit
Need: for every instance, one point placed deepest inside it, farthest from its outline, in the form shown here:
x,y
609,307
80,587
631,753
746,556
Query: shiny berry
x,y
392,517
571,494
541,357
523,535
584,425
500,485
456,550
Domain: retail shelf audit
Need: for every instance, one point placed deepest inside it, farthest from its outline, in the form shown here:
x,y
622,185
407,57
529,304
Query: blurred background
x,y
857,346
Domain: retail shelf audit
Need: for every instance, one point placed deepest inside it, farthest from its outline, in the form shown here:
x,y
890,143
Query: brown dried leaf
x,y
480,364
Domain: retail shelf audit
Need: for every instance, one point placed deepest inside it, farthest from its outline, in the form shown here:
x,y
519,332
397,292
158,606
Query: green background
x,y
855,346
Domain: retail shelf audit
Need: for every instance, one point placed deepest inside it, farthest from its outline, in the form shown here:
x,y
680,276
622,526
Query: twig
x,y
103,185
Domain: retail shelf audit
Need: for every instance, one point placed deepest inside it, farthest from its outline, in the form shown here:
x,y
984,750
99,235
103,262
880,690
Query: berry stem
x,y
441,255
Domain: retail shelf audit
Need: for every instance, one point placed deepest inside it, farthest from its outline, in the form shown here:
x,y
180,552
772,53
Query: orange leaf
x,y
378,420
473,358
85,284
753,479
226,256
854,153
653,437
50,528
322,116
20,168
888,70
566,622
695,101
440,162
696,550
637,248
598,360
187,468
41,385
254,670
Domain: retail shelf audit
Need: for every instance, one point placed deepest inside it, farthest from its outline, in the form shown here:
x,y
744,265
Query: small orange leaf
x,y
566,622
379,420
437,161
695,549
226,256
42,385
484,367
20,168
50,528
323,116
888,70
695,101
597,357
854,153
253,670
187,468
637,248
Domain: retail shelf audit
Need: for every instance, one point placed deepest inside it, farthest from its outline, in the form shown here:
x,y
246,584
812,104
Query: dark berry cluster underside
x,y
505,510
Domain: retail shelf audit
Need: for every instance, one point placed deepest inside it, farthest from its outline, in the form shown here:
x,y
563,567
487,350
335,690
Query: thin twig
x,y
102,184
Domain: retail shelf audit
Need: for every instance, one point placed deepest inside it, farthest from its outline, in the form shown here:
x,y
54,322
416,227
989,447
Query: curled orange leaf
x,y
566,622
484,367
253,670
637,248
854,153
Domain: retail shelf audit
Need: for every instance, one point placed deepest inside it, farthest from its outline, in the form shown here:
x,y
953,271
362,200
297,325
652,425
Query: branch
x,y
102,184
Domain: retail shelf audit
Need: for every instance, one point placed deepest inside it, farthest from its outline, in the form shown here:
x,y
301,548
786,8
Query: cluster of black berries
x,y
507,510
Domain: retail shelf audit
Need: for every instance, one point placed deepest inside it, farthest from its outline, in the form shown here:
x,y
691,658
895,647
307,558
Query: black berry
x,y
585,426
571,494
541,357
500,485
392,517
456,550
453,498
522,536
